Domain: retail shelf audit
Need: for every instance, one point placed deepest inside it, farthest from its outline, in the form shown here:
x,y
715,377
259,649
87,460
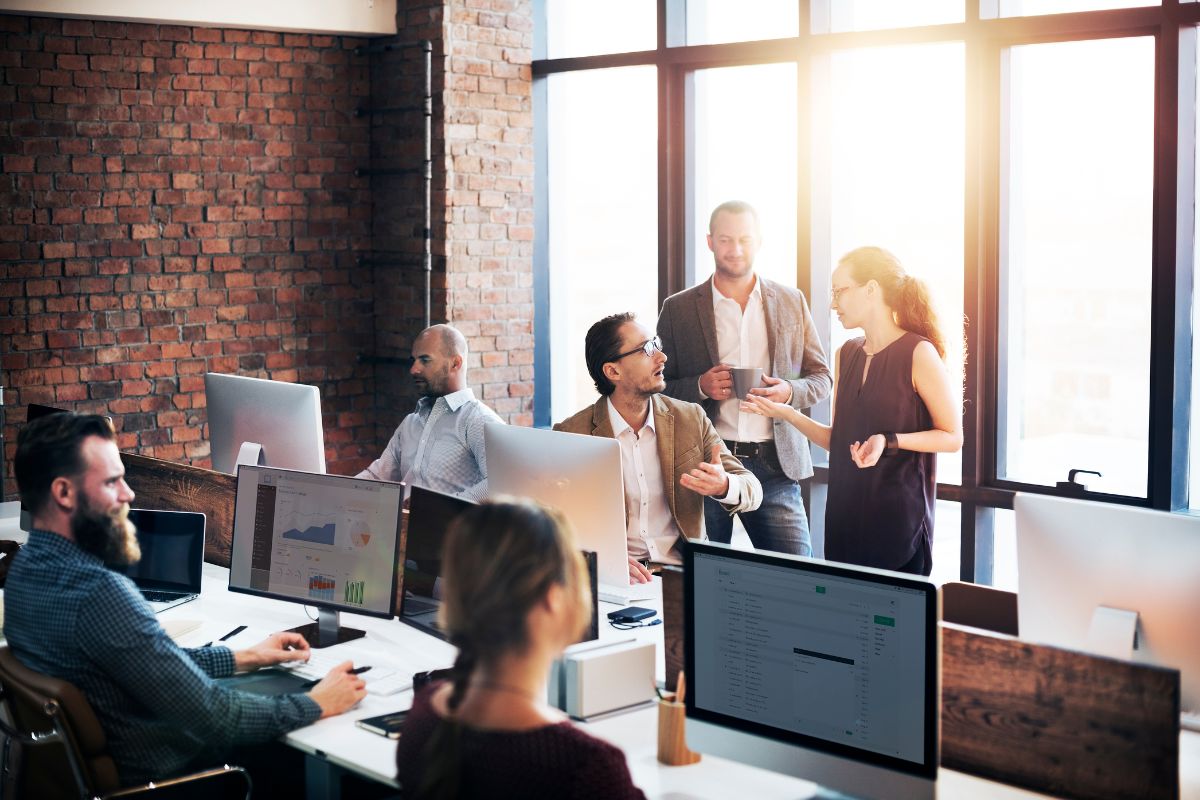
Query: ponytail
x,y
915,312
443,752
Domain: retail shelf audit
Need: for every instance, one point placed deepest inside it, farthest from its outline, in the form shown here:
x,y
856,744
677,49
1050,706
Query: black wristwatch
x,y
891,446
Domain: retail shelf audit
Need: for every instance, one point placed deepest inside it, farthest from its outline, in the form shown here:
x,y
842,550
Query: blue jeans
x,y
779,524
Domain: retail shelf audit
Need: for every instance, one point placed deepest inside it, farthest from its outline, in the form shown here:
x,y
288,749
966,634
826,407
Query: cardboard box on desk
x,y
597,678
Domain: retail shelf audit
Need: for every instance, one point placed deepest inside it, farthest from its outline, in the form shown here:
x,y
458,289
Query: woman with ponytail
x,y
893,409
515,594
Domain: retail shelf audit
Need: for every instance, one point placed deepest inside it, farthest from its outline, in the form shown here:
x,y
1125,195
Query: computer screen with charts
x,y
322,540
256,421
818,670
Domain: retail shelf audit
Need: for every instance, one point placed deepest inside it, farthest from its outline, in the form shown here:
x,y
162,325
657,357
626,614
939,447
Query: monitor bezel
x,y
929,767
339,607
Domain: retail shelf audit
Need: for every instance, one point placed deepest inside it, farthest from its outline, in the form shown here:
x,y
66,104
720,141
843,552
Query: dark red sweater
x,y
557,761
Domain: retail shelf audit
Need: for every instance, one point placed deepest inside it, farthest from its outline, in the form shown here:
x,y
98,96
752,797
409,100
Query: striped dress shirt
x,y
439,446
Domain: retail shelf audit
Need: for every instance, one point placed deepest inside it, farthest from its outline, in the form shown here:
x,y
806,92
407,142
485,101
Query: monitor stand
x,y
327,630
250,453
1113,632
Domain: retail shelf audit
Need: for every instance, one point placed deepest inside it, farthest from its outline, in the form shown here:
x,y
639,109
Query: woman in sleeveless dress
x,y
893,410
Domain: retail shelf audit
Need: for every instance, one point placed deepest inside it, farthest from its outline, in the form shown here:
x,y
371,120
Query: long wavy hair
x,y
501,556
906,295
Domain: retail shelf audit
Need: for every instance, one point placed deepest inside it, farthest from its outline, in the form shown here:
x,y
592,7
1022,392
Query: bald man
x,y
440,445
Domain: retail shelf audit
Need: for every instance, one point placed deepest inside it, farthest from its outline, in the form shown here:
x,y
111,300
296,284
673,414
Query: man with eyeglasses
x,y
741,319
671,455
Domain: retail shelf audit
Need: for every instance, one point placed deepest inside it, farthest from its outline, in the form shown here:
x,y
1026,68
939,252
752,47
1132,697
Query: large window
x,y
744,148
1036,173
893,121
1075,249
603,237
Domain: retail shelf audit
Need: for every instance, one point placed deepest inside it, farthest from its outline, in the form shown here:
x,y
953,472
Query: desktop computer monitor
x,y
823,671
579,475
322,540
1110,579
255,421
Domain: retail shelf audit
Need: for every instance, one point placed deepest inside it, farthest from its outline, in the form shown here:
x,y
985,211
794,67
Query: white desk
x,y
336,743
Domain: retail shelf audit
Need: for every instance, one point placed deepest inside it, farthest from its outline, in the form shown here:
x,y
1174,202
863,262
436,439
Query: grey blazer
x,y
689,335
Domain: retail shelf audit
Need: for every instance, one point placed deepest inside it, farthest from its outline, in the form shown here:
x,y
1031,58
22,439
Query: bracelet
x,y
891,446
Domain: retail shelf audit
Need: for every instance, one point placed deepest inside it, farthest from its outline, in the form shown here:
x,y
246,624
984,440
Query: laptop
x,y
429,516
172,543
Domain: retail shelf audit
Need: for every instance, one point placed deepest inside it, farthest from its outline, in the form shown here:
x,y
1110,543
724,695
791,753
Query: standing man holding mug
x,y
746,321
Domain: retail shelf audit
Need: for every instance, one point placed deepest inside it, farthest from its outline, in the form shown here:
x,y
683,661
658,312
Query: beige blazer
x,y
685,437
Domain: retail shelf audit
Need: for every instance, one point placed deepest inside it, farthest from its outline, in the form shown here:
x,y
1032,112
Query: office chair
x,y
66,752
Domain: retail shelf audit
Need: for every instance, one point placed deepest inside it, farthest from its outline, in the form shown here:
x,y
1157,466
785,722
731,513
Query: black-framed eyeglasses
x,y
649,347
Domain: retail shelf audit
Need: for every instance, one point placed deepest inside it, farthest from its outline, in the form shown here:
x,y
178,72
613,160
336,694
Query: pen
x,y
229,635
315,681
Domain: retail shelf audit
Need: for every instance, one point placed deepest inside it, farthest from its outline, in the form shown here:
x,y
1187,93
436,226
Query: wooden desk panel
x,y
165,485
673,613
1058,721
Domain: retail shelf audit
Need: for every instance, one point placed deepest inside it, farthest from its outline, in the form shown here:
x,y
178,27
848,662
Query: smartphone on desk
x,y
388,725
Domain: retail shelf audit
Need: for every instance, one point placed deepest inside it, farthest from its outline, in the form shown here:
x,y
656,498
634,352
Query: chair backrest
x,y
74,759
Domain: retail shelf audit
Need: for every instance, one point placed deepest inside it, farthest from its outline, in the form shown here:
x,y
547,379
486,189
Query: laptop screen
x,y
172,544
429,517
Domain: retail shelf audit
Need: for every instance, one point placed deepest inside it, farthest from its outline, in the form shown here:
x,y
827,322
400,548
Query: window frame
x,y
1173,25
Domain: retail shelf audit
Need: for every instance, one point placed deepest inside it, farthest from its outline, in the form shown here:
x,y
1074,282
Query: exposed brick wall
x,y
482,221
489,195
176,200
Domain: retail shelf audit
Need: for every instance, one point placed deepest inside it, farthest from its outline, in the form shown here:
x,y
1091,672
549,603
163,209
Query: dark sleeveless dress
x,y
879,516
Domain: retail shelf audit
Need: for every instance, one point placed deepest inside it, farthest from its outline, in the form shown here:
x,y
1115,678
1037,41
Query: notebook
x,y
172,545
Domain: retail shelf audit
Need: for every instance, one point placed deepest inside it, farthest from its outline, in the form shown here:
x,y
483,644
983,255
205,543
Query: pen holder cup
x,y
672,741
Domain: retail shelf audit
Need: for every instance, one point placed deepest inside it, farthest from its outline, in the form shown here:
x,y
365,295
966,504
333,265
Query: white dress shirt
x,y
742,342
650,529
439,446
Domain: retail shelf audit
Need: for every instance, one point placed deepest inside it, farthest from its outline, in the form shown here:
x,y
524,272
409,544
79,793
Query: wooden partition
x,y
1058,721
673,611
165,485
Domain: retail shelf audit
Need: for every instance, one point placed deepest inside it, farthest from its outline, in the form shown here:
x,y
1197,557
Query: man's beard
x,y
110,537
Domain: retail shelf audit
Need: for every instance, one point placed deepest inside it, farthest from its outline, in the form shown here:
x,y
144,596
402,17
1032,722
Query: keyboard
x,y
413,606
163,597
383,678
